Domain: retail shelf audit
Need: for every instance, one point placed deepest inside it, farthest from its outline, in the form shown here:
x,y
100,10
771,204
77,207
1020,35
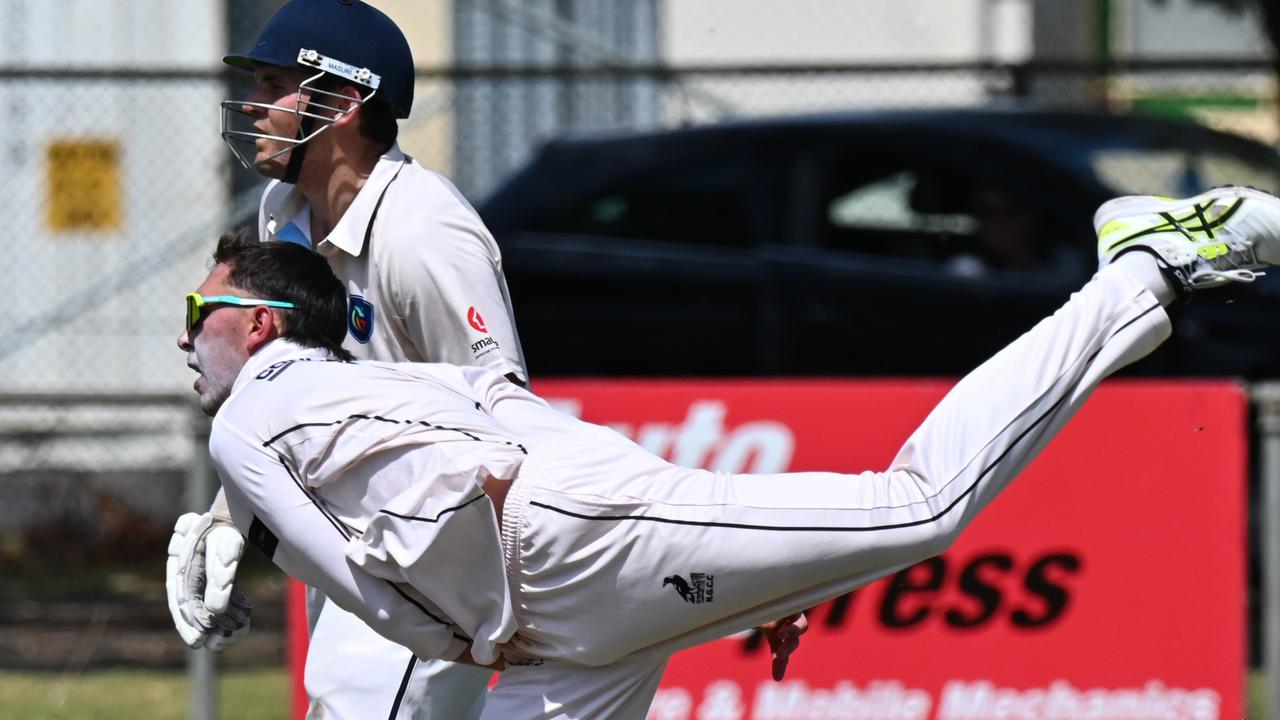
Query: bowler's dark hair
x,y
285,271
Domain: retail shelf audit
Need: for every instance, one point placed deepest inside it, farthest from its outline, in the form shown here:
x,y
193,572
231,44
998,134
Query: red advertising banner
x,y
1107,582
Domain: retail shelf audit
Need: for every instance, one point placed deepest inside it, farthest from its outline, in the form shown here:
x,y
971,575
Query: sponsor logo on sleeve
x,y
484,345
360,319
475,321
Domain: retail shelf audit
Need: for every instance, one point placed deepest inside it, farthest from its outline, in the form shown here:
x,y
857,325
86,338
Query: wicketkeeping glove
x,y
208,609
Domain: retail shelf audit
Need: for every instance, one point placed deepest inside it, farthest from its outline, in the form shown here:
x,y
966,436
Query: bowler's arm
x,y
278,514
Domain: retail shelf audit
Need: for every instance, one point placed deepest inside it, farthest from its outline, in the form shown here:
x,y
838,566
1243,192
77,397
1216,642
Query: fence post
x,y
1266,398
202,668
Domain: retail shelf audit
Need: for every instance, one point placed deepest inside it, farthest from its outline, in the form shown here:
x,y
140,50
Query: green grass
x,y
138,695
244,695
1256,698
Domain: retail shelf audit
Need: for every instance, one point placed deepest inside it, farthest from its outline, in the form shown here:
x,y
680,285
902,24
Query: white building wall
x,y
1189,29
867,31
112,33
1233,100
760,32
99,308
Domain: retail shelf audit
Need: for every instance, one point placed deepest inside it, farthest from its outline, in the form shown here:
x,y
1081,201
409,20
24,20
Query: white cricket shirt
x,y
423,273
364,481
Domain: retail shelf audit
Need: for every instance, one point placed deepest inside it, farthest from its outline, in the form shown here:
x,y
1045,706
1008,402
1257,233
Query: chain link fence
x,y
117,184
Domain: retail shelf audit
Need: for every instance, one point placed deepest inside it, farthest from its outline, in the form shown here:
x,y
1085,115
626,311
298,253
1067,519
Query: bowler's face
x,y
217,346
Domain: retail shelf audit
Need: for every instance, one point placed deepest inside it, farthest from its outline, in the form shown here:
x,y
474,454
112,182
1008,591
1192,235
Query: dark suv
x,y
891,243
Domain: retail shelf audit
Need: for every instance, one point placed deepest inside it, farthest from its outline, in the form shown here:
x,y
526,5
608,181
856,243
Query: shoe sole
x,y
1137,206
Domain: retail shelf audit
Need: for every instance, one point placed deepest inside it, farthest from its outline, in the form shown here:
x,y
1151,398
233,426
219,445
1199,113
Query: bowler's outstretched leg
x,y
763,547
610,570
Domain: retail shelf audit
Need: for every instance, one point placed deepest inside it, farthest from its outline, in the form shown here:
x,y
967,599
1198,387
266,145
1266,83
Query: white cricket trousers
x,y
353,673
616,572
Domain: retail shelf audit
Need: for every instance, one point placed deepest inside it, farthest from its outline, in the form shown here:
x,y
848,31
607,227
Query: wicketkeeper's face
x,y
274,105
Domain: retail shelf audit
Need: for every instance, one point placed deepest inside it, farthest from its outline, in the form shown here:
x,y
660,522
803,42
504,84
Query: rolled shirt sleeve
x,y
443,539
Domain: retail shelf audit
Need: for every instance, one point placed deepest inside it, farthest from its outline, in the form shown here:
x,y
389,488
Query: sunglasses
x,y
196,301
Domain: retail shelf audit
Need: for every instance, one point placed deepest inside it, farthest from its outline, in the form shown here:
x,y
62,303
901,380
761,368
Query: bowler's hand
x,y
784,637
207,609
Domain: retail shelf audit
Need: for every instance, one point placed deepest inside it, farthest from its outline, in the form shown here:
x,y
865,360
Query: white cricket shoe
x,y
1224,235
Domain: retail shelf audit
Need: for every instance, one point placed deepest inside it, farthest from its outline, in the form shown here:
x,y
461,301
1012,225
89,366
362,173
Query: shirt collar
x,y
349,234
279,350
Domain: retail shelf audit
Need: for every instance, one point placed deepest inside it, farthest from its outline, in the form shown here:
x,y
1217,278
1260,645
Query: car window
x,y
971,225
885,204
689,206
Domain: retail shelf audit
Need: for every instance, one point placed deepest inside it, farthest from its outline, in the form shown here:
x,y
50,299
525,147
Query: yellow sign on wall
x,y
83,192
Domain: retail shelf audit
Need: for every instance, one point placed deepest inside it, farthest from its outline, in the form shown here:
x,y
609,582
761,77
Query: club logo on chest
x,y
360,319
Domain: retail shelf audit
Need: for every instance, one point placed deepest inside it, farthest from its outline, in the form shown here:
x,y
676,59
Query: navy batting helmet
x,y
348,38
